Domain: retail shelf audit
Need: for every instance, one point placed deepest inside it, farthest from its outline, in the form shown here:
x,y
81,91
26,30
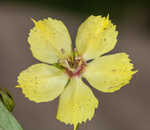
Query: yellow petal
x,y
42,83
77,103
49,40
96,36
109,73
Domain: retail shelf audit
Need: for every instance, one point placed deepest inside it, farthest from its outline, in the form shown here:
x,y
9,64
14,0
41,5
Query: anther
x,y
62,50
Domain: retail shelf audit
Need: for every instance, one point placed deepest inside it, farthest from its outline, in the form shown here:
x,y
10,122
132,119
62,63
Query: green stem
x,y
58,66
77,128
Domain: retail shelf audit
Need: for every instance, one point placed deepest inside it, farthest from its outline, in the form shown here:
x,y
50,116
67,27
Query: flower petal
x,y
96,36
49,40
42,83
109,73
77,103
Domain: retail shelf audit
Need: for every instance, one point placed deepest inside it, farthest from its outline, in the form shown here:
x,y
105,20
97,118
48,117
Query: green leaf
x,y
7,120
7,99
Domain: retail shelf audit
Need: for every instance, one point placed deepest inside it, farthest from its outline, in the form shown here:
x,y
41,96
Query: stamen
x,y
67,64
62,51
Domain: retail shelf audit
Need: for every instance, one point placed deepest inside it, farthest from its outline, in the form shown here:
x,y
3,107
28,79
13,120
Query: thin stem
x,y
58,66
77,128
67,64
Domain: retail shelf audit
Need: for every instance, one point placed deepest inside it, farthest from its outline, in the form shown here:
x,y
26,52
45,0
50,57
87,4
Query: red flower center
x,y
76,67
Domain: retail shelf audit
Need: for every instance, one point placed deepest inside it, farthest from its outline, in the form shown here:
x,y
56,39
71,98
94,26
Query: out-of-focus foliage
x,y
7,120
7,100
87,6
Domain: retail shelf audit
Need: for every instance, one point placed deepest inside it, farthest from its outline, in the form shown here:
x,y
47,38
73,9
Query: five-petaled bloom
x,y
50,43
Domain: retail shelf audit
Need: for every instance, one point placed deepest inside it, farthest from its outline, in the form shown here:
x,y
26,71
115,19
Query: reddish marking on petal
x,y
70,73
77,72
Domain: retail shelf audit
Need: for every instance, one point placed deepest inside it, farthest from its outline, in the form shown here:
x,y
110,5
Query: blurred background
x,y
127,109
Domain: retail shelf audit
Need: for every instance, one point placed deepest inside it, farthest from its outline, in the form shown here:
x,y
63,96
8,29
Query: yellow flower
x,y
62,69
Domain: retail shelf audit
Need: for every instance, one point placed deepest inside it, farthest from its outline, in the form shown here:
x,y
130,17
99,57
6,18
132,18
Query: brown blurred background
x,y
127,109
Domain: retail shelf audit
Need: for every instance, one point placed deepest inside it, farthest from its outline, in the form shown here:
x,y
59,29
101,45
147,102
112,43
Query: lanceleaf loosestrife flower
x,y
50,43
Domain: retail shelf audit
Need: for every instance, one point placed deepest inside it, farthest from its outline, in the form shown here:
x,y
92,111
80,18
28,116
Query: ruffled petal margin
x,y
109,73
42,83
49,40
96,36
77,103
